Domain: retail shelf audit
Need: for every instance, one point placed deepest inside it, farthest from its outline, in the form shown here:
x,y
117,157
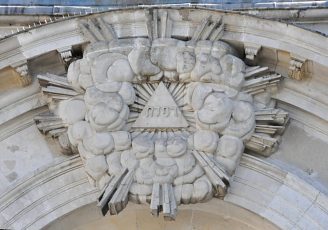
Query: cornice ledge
x,y
35,42
244,28
276,35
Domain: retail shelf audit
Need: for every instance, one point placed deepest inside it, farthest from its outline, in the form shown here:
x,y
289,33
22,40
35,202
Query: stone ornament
x,y
22,69
297,68
162,121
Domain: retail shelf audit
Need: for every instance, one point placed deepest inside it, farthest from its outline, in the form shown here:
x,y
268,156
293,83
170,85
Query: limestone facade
x,y
164,107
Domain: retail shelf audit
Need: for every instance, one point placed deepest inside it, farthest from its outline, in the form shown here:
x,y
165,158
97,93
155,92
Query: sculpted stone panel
x,y
161,120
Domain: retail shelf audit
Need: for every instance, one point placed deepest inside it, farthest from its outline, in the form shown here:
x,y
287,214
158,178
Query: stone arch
x,y
40,198
262,188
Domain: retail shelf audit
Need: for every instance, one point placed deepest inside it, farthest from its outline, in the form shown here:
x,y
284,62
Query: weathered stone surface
x,y
72,111
305,100
173,115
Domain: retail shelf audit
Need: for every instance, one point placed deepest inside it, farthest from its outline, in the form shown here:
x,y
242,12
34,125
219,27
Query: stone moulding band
x,y
80,8
39,218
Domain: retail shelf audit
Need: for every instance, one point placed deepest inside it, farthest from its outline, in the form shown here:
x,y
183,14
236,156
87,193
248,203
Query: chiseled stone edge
x,y
53,168
49,37
16,214
37,178
277,195
22,106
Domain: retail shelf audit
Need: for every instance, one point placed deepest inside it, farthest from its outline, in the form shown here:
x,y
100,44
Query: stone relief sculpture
x,y
161,120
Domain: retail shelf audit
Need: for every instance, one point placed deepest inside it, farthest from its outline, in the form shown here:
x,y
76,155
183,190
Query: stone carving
x,y
161,111
97,30
66,54
22,69
251,51
297,67
161,121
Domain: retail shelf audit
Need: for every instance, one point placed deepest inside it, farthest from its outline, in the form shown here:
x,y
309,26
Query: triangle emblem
x,y
161,111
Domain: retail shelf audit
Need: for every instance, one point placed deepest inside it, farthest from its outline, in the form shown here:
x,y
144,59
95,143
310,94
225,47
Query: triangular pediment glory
x,y
161,111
